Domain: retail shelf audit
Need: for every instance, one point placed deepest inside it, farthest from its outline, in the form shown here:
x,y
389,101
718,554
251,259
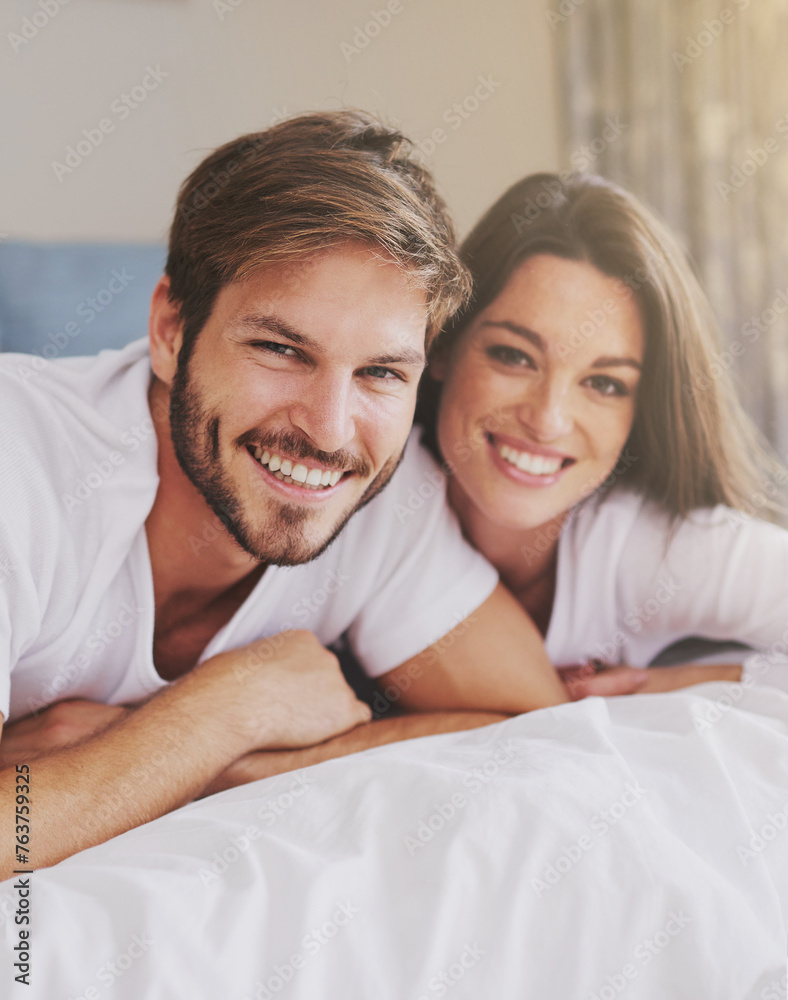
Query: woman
x,y
596,452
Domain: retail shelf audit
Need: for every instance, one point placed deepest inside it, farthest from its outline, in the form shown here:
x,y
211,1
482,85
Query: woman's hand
x,y
584,680
660,679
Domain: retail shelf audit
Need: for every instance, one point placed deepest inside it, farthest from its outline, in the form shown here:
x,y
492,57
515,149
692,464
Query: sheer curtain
x,y
685,102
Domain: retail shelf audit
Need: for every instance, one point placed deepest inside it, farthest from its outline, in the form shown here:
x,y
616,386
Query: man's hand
x,y
285,692
63,724
262,764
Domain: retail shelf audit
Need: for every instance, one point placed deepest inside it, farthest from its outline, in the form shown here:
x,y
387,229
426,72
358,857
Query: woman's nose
x,y
546,412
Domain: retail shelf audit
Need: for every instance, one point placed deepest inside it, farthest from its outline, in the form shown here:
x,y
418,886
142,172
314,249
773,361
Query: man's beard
x,y
281,541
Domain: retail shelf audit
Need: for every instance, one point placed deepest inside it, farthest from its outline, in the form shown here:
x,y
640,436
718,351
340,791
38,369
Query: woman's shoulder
x,y
631,528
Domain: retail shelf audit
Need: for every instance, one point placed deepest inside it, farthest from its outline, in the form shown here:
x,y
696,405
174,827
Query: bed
x,y
632,847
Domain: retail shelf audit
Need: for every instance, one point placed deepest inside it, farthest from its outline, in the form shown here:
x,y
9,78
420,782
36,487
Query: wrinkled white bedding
x,y
633,847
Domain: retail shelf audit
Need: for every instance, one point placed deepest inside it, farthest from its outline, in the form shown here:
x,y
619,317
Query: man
x,y
187,525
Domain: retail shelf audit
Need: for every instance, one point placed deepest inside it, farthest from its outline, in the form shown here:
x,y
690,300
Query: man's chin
x,y
292,534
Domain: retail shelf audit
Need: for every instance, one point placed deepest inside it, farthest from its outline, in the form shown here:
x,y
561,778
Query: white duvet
x,y
633,847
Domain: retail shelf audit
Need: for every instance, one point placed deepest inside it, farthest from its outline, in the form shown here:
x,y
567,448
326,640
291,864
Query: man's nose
x,y
325,412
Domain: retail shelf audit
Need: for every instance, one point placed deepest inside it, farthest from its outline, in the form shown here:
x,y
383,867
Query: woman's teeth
x,y
537,465
301,475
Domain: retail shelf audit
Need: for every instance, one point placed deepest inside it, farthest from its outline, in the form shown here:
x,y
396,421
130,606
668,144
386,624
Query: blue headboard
x,y
58,299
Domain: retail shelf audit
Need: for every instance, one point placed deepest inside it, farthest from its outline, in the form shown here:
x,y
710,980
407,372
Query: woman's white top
x,y
627,588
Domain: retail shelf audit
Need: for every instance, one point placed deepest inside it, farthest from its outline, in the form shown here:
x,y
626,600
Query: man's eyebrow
x,y
407,356
532,337
277,326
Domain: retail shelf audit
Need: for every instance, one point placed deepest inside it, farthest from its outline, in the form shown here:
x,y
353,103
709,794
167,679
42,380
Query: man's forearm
x,y
282,691
155,759
265,763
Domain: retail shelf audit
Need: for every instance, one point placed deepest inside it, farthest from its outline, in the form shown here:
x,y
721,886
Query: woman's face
x,y
539,392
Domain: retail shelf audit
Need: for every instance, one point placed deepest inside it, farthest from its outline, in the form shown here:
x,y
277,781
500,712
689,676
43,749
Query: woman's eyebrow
x,y
534,338
522,331
617,363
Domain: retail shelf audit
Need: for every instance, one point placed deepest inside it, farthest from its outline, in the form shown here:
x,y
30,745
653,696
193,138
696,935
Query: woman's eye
x,y
607,386
509,355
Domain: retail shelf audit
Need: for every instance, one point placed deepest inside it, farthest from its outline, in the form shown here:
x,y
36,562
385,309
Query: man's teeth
x,y
537,465
288,472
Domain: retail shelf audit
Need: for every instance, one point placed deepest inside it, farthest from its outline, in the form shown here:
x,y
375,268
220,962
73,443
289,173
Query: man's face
x,y
295,405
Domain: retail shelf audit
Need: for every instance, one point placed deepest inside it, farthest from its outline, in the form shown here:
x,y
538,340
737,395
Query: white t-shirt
x,y
77,481
623,593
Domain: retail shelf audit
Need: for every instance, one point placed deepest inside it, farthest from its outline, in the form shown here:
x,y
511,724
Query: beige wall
x,y
231,66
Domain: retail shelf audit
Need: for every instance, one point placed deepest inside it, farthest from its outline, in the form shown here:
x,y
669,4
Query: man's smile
x,y
300,474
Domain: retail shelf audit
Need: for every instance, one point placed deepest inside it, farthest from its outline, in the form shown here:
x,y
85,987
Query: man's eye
x,y
273,347
607,386
509,356
387,374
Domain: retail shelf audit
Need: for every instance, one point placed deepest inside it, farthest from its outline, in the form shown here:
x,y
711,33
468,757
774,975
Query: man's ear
x,y
165,331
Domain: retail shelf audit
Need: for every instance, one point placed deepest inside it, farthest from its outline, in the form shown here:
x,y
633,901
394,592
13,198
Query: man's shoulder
x,y
32,384
61,419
